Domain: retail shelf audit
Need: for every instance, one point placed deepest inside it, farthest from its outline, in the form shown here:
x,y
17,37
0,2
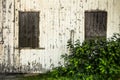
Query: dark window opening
x,y
95,24
29,29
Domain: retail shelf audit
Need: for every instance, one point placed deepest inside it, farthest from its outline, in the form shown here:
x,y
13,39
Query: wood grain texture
x,y
57,18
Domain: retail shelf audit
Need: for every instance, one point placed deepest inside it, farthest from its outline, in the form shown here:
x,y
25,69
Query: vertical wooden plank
x,y
1,29
0,15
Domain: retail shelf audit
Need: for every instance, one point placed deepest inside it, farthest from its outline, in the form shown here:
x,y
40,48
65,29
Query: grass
x,y
48,77
43,77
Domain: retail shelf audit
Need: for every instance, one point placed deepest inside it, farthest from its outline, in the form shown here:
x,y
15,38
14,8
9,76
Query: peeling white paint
x,y
57,19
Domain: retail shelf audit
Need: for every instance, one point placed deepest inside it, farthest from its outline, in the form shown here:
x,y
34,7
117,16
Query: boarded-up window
x,y
95,24
29,29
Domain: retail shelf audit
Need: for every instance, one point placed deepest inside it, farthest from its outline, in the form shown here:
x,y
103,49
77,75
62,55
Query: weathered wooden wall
x,y
6,34
58,18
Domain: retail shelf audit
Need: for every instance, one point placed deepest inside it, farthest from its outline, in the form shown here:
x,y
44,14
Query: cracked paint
x,y
60,20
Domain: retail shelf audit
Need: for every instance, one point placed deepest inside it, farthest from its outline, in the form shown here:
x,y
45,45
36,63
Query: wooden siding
x,y
57,19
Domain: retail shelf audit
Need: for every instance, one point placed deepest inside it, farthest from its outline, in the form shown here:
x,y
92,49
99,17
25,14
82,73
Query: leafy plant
x,y
91,59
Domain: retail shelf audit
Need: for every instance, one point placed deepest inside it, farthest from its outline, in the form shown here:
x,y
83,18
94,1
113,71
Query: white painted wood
x,y
57,19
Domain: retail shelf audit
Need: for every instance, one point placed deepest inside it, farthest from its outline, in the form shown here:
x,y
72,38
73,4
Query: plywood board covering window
x,y
28,29
95,24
